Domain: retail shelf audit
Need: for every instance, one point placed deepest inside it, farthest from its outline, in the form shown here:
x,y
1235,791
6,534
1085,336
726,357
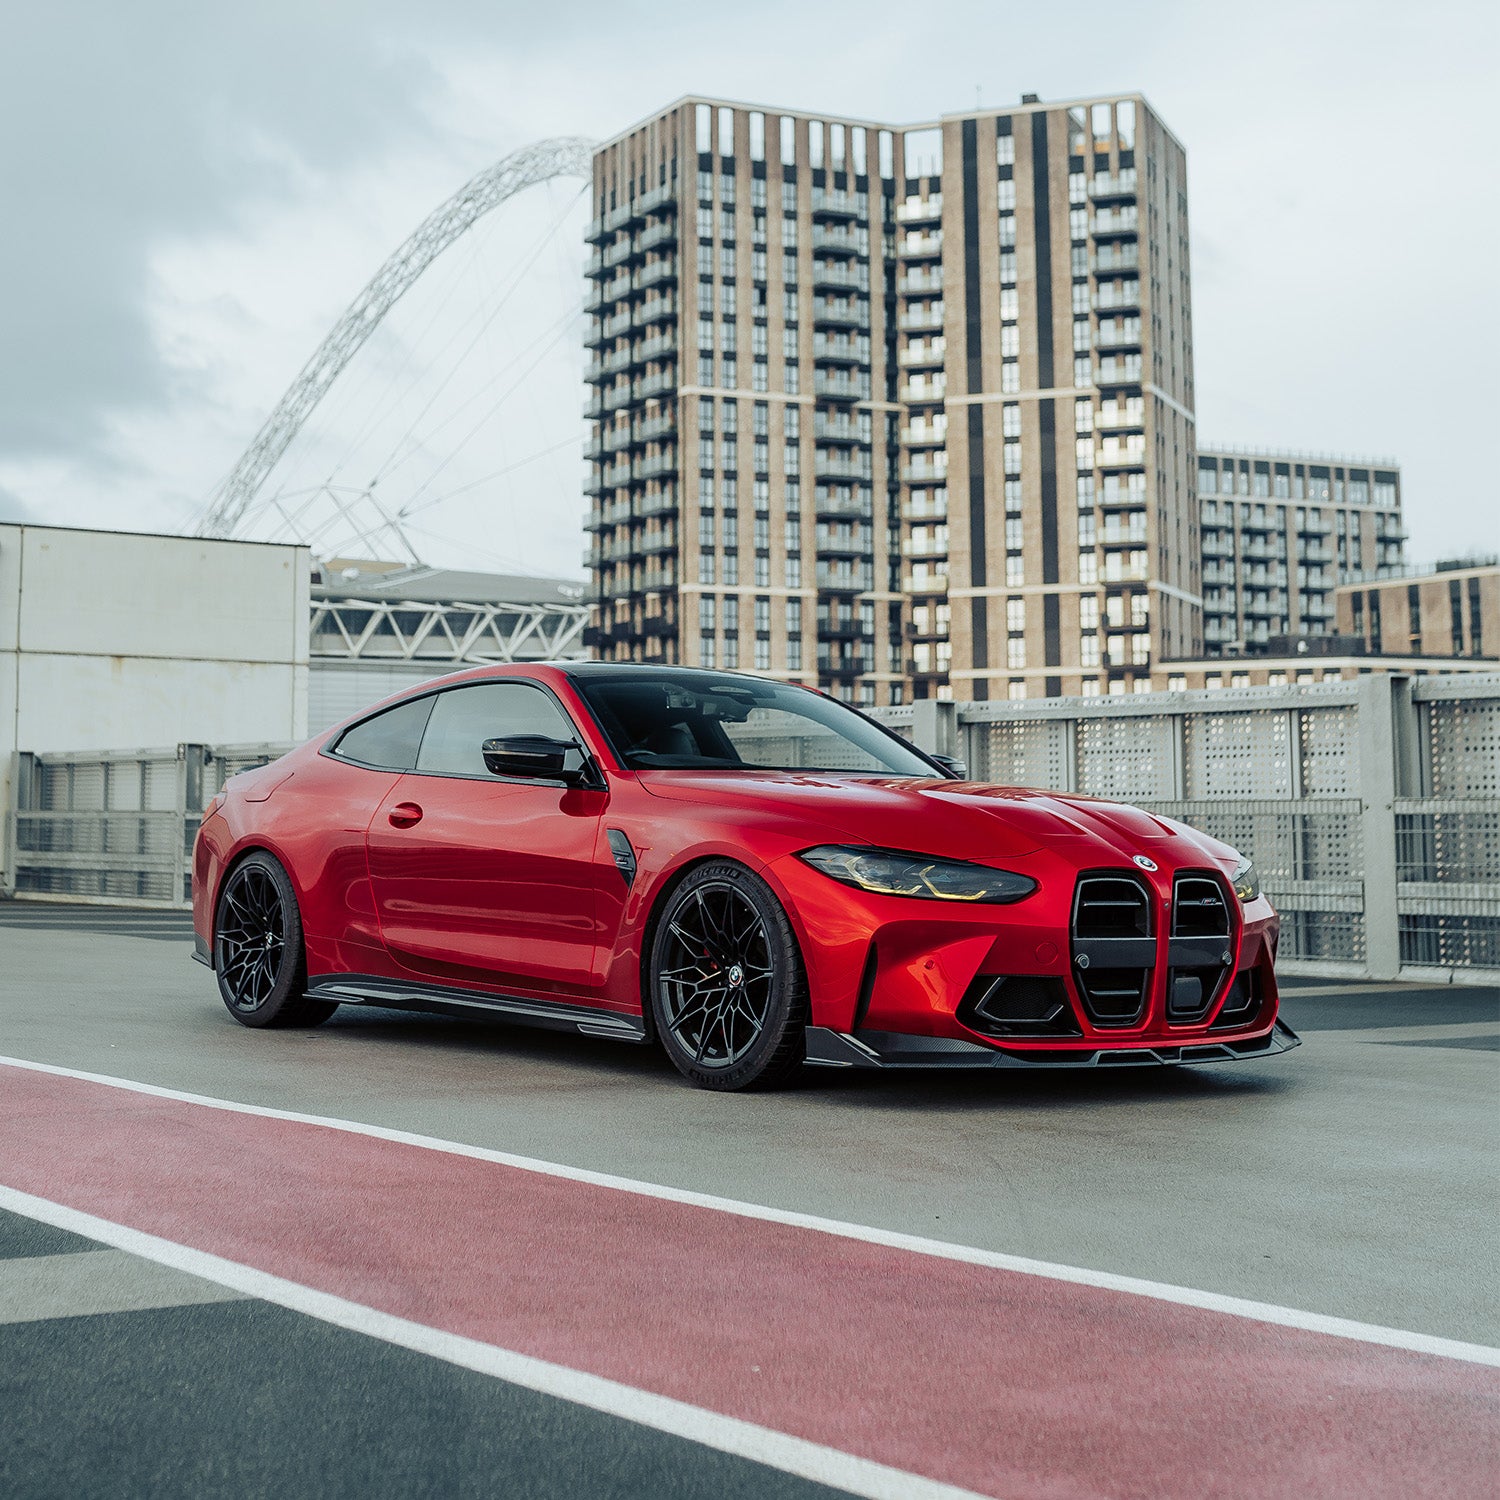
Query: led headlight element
x,y
888,872
1245,880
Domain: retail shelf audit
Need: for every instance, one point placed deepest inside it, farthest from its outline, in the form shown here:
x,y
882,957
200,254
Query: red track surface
x,y
1009,1384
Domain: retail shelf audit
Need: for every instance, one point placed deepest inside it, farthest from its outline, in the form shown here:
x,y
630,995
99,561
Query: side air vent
x,y
1200,954
1113,949
1018,1005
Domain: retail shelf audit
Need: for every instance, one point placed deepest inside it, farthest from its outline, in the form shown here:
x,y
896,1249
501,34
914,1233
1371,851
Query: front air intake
x,y
1113,948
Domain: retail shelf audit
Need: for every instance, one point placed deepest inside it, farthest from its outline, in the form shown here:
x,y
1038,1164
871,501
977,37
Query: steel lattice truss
x,y
233,507
444,633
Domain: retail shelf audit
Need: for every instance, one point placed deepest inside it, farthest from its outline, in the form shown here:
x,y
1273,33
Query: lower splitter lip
x,y
888,1049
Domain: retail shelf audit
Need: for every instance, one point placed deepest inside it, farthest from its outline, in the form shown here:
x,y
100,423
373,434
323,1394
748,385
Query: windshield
x,y
682,720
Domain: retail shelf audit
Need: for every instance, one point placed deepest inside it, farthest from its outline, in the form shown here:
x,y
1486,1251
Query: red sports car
x,y
752,874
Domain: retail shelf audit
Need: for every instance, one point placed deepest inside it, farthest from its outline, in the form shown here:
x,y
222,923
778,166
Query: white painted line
x,y
85,1283
1237,1307
777,1450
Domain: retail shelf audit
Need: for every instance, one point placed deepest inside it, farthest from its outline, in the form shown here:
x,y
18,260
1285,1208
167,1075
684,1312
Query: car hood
x,y
958,819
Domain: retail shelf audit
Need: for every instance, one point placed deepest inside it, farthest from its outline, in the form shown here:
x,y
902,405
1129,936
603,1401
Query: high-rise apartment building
x,y
1281,531
902,410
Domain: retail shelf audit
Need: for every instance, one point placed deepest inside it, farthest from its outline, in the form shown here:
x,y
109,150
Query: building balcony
x,y
1124,370
652,236
924,436
613,255
925,473
841,349
839,464
838,427
1120,257
929,354
924,582
603,369
655,273
921,281
659,502
919,547
1112,222
655,385
844,577
921,319
606,294
607,331
832,664
917,246
1106,185
1118,296
1118,333
845,541
651,542
616,396
653,467
924,509
654,348
834,386
928,210
831,505
831,204
850,313
654,310
836,239
1122,536
838,275
651,429
1112,456
841,628
922,392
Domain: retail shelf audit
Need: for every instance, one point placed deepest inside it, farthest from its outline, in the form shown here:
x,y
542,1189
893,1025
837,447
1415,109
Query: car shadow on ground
x,y
946,1090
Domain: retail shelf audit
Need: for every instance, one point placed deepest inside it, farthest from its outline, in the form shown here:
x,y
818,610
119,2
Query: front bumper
x,y
889,1049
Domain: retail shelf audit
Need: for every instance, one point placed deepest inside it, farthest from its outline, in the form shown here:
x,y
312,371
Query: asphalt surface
x,y
1353,1177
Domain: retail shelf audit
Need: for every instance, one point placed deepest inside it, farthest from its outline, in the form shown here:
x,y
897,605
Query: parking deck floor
x,y
1013,1286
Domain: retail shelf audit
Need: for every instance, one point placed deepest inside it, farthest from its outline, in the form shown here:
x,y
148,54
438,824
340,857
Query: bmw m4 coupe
x,y
750,874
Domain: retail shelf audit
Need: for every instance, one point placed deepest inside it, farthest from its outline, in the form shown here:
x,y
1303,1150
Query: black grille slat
x,y
1113,950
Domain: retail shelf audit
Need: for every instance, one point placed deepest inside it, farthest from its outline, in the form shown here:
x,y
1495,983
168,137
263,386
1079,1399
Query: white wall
x,y
114,640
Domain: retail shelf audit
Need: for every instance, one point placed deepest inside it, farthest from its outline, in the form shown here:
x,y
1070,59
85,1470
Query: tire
x,y
728,989
259,957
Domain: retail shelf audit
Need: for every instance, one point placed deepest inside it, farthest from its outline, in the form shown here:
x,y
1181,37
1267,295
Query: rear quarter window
x,y
389,740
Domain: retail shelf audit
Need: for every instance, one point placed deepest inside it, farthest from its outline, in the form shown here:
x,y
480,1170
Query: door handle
x,y
405,814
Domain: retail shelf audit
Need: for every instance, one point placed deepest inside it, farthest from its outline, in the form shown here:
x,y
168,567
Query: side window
x,y
389,741
464,718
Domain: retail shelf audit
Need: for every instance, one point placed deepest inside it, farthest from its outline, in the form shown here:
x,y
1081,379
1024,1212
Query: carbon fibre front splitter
x,y
889,1049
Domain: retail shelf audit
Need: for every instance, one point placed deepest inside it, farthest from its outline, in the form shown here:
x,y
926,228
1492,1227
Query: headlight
x,y
887,872
1246,880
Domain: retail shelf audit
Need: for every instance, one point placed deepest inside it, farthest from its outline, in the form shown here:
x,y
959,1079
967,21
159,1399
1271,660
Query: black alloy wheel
x,y
258,953
728,992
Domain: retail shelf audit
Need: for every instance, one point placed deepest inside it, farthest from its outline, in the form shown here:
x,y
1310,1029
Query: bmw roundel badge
x,y
1144,862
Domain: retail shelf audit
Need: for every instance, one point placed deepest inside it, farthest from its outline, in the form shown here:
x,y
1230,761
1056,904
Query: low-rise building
x,y
1449,610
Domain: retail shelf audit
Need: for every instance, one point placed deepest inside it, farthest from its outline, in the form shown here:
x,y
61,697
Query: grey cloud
x,y
125,124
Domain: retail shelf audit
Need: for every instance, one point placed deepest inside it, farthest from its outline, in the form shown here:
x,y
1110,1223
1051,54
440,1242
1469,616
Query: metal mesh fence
x,y
1371,808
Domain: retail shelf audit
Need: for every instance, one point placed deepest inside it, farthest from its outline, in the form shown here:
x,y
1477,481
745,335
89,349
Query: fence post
x,y
1377,793
22,772
934,726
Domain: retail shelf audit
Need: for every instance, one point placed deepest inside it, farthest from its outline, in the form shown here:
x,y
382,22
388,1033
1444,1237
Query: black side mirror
x,y
953,766
537,755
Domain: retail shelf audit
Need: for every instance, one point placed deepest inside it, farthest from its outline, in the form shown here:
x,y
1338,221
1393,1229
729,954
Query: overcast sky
x,y
192,192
